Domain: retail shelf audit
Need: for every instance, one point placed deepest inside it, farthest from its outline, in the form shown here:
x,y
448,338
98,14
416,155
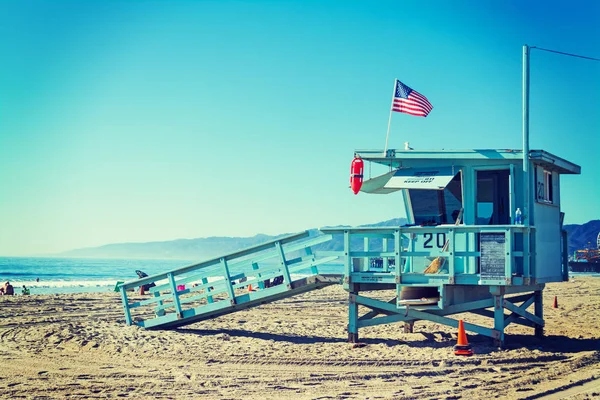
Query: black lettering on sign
x,y
440,240
493,255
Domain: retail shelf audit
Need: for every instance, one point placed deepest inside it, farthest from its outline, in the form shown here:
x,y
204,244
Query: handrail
x,y
219,284
216,260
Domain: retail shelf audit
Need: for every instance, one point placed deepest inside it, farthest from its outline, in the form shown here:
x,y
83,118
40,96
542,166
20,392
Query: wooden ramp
x,y
261,274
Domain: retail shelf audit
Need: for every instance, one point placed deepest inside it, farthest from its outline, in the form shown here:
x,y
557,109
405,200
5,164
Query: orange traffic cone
x,y
462,348
555,304
250,288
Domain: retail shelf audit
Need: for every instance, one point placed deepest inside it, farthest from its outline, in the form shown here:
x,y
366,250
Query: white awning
x,y
436,178
376,185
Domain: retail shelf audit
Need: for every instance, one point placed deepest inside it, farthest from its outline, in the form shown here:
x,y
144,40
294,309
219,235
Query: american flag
x,y
410,101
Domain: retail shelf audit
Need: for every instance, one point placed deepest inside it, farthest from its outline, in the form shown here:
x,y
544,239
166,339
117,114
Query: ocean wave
x,y
18,283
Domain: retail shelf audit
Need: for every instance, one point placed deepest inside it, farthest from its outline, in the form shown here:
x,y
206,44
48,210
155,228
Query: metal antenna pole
x,y
526,194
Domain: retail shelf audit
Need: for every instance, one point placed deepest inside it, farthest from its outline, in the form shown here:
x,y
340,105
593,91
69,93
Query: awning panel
x,y
422,178
376,185
435,178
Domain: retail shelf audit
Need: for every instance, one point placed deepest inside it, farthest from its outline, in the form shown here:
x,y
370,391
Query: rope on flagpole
x,y
390,119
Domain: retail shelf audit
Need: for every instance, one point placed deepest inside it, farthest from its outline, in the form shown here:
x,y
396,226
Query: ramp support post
x,y
126,306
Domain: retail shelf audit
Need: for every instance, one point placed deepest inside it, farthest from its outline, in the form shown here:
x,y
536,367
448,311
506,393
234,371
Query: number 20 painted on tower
x,y
440,240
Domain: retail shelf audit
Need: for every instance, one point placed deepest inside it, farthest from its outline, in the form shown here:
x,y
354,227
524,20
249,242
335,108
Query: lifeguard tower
x,y
484,236
464,249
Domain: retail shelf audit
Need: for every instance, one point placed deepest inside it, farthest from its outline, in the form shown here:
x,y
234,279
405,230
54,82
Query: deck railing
x,y
402,254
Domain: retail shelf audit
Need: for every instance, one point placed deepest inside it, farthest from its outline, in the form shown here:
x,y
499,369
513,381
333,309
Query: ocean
x,y
76,275
80,275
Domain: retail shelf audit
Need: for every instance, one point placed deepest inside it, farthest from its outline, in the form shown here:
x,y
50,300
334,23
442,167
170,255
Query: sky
x,y
137,121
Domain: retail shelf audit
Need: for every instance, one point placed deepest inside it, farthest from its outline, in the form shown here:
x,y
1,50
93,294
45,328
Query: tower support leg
x,y
498,293
539,312
352,318
409,327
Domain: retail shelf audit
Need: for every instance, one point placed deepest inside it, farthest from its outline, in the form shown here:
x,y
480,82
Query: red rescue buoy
x,y
356,174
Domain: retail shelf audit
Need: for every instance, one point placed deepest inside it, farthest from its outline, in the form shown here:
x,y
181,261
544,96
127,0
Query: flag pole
x,y
526,174
390,119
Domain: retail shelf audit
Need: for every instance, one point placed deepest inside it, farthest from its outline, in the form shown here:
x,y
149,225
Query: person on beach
x,y
25,291
9,290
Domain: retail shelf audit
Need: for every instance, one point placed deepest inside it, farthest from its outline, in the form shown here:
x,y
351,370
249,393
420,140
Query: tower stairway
x,y
268,272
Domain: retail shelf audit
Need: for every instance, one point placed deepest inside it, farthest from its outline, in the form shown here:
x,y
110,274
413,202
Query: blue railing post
x,y
527,252
228,283
209,299
398,254
176,302
367,264
452,250
261,283
286,273
159,311
508,243
347,261
386,262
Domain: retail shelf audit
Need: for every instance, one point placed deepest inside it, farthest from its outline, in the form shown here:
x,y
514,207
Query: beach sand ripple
x,y
78,346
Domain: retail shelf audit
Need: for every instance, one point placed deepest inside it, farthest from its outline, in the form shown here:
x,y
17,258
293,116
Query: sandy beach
x,y
78,346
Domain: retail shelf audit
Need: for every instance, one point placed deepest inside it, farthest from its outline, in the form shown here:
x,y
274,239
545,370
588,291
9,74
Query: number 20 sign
x,y
432,240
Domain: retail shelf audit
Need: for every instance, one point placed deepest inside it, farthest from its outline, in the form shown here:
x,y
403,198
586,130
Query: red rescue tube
x,y
356,174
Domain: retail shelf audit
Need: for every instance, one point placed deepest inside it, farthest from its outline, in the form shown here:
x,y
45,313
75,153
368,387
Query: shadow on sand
x,y
283,338
562,344
482,344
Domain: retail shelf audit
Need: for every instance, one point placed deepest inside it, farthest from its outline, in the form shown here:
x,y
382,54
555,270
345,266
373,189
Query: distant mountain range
x,y
206,248
582,236
200,248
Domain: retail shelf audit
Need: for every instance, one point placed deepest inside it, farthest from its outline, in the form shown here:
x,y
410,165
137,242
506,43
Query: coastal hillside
x,y
200,248
205,248
582,236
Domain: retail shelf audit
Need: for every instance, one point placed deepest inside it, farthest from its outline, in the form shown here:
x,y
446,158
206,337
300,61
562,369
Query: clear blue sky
x,y
145,120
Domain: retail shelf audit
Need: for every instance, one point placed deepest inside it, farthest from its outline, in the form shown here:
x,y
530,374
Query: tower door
x,y
493,197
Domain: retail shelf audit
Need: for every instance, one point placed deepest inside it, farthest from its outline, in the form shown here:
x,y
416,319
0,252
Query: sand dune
x,y
78,346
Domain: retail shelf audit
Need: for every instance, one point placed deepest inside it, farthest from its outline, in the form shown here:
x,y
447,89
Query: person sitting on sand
x,y
8,289
25,291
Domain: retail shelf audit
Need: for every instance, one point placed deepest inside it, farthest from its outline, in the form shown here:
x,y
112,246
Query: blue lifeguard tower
x,y
464,249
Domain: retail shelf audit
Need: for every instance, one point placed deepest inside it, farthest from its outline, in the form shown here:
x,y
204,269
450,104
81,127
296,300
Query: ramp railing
x,y
243,278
